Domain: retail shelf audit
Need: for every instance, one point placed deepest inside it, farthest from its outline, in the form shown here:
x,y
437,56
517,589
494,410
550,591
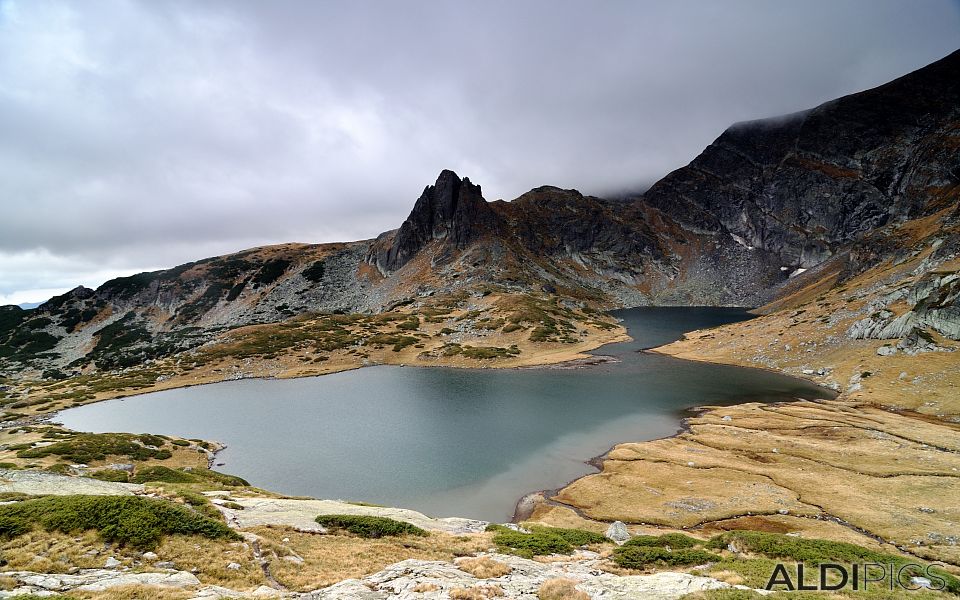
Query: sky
x,y
141,135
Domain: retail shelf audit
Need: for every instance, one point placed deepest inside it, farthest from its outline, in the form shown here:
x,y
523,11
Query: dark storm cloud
x,y
140,135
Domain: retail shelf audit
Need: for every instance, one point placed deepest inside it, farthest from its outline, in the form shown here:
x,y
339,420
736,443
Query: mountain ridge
x,y
767,200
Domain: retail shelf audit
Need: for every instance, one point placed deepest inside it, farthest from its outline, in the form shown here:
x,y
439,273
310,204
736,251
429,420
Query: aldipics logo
x,y
858,576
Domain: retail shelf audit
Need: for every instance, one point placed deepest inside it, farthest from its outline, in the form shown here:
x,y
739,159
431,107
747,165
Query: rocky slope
x,y
768,199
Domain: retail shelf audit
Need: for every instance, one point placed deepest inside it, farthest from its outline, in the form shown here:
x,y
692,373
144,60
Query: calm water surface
x,y
465,442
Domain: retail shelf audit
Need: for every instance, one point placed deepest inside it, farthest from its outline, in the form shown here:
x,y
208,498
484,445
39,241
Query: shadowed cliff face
x,y
803,185
452,209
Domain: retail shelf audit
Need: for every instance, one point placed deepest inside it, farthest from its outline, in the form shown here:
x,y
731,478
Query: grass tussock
x,y
126,520
131,592
561,589
369,527
328,559
484,567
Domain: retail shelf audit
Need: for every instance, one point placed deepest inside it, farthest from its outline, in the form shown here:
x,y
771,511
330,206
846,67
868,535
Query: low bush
x,y
89,447
115,475
815,551
163,474
529,545
775,545
669,540
368,526
129,520
575,537
638,557
220,478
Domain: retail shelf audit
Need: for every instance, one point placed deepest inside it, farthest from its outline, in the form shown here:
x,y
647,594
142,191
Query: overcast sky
x,y
140,135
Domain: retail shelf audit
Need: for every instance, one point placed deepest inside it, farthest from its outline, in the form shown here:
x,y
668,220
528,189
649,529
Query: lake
x,y
448,442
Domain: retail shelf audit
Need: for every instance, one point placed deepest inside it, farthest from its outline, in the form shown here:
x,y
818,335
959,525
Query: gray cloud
x,y
138,135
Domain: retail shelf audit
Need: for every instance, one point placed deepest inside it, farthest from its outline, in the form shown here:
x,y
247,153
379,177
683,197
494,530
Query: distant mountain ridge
x,y
767,199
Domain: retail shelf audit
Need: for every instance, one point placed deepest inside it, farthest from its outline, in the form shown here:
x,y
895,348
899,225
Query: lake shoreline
x,y
586,363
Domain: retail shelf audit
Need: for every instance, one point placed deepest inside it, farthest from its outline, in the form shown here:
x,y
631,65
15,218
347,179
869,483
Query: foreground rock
x,y
38,483
300,514
437,579
406,579
94,580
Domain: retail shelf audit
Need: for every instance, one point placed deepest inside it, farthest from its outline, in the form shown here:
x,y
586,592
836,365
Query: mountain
x,y
769,207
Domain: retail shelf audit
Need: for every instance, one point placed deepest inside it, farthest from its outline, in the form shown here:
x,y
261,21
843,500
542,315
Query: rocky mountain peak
x,y
452,209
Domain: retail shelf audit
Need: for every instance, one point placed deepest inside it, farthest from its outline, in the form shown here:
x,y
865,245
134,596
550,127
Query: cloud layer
x,y
139,135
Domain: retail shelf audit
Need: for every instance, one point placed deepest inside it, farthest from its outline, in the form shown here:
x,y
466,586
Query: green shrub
x,y
163,474
638,557
271,271
529,545
411,324
575,537
111,475
815,551
315,271
89,447
220,478
775,545
129,520
181,443
369,527
672,540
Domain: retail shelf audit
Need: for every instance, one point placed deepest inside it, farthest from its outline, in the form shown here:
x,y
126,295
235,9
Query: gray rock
x,y
348,589
151,556
112,563
233,566
618,532
96,580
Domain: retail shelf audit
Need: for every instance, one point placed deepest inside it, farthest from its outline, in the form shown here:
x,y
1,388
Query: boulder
x,y
618,532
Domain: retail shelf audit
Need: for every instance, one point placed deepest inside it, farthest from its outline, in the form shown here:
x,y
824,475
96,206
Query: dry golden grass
x,y
328,559
725,576
483,567
135,592
561,589
210,559
872,470
477,592
422,588
56,552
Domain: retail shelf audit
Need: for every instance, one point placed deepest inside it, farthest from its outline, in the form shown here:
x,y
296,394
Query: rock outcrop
x,y
803,185
522,583
301,514
452,210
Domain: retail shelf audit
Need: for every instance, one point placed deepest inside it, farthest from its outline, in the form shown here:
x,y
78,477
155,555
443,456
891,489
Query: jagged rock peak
x,y
453,209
